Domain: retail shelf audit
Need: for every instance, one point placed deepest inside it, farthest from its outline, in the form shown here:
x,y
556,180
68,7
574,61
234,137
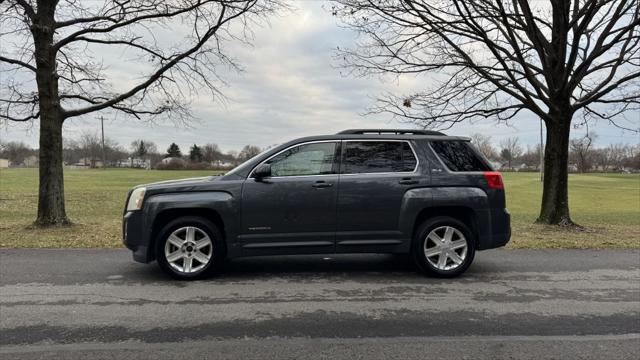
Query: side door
x,y
293,211
375,174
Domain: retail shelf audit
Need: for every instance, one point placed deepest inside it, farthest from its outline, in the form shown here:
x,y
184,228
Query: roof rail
x,y
391,131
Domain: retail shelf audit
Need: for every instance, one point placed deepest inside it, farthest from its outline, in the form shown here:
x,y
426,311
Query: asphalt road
x,y
98,304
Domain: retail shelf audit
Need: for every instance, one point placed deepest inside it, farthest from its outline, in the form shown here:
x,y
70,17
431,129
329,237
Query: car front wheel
x,y
444,247
189,248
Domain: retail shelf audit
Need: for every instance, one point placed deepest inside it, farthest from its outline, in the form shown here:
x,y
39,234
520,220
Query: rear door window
x,y
459,156
364,157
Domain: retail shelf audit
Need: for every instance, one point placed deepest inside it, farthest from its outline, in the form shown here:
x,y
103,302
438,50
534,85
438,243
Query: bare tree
x,y
617,154
531,157
15,151
602,159
582,150
50,70
90,147
610,157
483,144
632,158
71,151
510,150
558,59
211,153
232,156
247,152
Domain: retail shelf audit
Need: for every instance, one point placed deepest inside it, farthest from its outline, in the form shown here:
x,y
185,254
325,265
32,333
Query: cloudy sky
x,y
290,87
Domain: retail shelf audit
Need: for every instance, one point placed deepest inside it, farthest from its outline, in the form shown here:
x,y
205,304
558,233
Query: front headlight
x,y
135,200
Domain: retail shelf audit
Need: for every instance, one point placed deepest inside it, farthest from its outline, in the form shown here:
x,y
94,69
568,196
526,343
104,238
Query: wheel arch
x,y
463,213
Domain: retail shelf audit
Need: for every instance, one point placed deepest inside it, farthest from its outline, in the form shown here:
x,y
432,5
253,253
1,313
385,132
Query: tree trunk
x,y
51,209
555,196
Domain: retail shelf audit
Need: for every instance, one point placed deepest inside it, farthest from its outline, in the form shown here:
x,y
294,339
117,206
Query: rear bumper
x,y
499,240
133,236
500,230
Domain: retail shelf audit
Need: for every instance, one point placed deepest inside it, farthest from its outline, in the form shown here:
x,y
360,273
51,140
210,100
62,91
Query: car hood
x,y
181,182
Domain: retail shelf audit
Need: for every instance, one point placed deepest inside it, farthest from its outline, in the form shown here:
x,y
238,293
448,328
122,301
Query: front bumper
x,y
133,236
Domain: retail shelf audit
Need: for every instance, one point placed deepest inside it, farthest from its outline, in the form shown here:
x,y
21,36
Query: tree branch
x,y
17,62
496,58
28,9
163,69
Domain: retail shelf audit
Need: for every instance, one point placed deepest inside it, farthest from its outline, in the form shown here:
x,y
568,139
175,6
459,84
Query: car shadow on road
x,y
354,267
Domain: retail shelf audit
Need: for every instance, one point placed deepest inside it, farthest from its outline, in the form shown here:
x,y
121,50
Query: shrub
x,y
198,166
173,164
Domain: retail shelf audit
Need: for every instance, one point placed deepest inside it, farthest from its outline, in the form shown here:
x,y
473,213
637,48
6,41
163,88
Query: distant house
x,y
514,167
222,164
170,159
89,162
132,163
4,163
503,167
138,163
81,163
30,161
521,167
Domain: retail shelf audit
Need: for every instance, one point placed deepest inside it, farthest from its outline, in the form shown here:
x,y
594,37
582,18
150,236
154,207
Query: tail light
x,y
494,179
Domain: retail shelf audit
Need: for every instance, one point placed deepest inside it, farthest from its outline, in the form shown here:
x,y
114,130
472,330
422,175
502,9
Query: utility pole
x,y
541,154
104,157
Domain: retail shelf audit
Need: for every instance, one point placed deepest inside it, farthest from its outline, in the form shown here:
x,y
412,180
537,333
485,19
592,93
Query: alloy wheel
x,y
445,248
188,249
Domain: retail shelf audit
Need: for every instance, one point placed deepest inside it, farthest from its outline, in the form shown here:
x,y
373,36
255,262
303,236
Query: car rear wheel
x,y
189,248
444,247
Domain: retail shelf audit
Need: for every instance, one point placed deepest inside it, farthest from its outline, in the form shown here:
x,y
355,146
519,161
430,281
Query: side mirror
x,y
262,171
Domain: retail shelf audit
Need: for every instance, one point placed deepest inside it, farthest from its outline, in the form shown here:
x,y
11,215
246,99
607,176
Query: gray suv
x,y
412,192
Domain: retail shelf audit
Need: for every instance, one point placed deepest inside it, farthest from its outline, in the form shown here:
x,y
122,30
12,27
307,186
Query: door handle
x,y
321,184
407,181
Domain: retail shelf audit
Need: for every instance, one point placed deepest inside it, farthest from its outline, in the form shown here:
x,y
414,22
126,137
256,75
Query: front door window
x,y
304,160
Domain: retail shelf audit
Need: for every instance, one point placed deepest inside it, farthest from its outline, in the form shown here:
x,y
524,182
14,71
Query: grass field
x,y
608,205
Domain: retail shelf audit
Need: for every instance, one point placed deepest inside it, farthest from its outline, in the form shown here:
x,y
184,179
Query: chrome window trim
x,y
415,155
337,141
413,172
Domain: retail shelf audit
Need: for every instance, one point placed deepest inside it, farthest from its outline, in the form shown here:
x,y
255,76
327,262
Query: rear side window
x,y
458,156
363,157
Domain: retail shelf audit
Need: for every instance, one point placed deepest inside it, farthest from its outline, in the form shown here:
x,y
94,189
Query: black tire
x,y
439,224
217,247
